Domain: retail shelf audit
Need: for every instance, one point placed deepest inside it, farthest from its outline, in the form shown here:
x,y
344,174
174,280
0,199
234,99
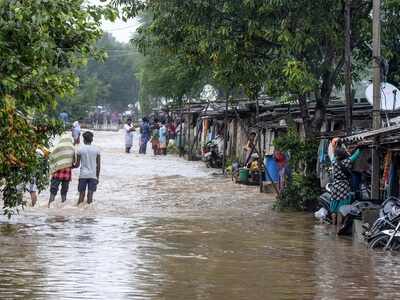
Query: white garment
x,y
219,140
321,214
88,154
76,130
330,152
128,135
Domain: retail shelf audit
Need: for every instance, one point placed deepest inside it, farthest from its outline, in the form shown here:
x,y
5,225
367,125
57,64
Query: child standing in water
x,y
89,161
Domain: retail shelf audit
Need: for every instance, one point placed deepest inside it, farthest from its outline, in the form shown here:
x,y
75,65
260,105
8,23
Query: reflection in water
x,y
163,228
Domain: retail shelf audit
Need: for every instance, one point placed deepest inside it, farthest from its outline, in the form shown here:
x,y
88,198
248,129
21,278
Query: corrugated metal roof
x,y
382,132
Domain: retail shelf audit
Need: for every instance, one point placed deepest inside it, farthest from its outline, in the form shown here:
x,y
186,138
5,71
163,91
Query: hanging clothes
x,y
393,181
392,185
386,169
323,162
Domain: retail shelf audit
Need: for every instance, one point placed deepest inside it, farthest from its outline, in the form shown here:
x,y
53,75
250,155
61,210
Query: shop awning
x,y
378,133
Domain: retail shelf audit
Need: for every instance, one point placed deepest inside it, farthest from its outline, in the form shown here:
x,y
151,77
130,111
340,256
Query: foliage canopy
x,y
112,82
41,44
295,49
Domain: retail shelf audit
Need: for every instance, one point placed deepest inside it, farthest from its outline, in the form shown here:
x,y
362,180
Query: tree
x,y
91,91
41,44
118,71
391,41
164,74
294,48
112,81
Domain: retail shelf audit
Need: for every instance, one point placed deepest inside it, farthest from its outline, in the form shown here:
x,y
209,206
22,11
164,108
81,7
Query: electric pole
x,y
348,75
376,114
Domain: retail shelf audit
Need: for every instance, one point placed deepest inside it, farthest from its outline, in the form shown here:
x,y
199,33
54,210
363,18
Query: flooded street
x,y
165,228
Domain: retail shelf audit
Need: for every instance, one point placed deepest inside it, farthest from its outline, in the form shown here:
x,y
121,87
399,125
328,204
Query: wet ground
x,y
165,228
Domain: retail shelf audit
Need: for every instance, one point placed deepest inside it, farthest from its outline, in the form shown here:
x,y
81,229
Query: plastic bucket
x,y
244,174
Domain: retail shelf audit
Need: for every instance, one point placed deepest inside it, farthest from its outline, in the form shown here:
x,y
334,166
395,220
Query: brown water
x,y
165,228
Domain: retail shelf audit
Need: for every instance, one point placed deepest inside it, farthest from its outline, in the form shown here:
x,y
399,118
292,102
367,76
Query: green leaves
x,y
41,44
289,47
298,77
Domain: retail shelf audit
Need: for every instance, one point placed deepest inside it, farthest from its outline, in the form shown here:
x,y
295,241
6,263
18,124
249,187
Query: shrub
x,y
303,190
300,195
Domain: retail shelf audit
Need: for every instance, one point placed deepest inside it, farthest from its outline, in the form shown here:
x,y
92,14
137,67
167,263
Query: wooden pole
x,y
181,149
376,36
225,133
348,75
189,121
260,156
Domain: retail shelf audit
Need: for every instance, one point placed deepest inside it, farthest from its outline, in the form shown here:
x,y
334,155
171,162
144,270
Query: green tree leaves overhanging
x,y
41,44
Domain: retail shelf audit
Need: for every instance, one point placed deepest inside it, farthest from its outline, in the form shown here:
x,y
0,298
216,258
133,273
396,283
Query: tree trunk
x,y
235,136
311,129
305,115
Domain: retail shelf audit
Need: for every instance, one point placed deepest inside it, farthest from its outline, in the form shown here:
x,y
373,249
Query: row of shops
x,y
204,122
232,125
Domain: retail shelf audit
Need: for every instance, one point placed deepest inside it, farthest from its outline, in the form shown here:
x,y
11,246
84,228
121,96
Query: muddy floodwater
x,y
165,228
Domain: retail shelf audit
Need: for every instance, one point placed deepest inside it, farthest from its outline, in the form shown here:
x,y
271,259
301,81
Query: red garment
x,y
171,129
280,159
63,175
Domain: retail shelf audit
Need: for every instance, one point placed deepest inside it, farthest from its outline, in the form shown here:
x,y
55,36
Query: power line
x,y
120,28
121,55
118,50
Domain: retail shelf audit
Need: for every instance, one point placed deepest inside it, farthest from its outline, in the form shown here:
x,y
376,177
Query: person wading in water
x,y
155,138
129,129
144,135
162,133
89,161
61,160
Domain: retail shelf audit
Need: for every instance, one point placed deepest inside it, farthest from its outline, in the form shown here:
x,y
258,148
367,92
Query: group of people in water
x,y
158,133
68,154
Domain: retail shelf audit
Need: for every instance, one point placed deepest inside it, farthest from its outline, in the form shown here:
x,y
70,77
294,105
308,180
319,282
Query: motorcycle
x,y
387,239
389,216
212,157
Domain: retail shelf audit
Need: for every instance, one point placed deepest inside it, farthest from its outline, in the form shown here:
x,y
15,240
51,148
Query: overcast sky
x,y
121,30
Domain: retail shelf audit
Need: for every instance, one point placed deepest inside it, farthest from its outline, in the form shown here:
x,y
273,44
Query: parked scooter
x,y
389,216
387,239
212,157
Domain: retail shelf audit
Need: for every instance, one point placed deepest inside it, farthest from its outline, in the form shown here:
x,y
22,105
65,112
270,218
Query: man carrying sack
x,y
62,160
